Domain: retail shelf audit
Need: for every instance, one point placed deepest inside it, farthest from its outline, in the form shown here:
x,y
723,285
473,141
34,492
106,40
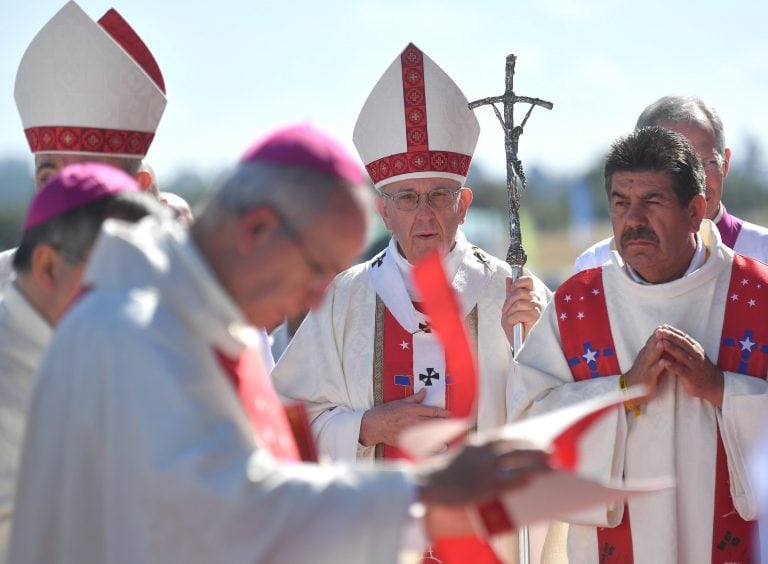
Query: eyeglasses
x,y
408,200
319,271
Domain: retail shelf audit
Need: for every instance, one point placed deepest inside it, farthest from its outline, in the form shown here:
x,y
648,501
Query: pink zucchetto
x,y
306,146
76,186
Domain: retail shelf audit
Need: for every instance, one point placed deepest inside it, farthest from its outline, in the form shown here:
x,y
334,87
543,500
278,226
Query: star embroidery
x,y
563,316
589,356
744,282
581,298
747,344
759,286
580,315
568,298
752,303
404,344
734,297
595,292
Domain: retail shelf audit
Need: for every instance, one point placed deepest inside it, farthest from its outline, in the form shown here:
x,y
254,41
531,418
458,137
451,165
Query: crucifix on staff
x,y
516,257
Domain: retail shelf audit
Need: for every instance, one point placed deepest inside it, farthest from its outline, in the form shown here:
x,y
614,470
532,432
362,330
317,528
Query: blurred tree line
x,y
551,204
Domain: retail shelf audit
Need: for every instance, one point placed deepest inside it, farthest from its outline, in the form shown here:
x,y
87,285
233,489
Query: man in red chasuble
x,y
677,310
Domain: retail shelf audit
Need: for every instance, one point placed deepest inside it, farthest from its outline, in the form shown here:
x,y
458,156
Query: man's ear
x,y
45,265
257,228
465,199
726,162
144,180
697,207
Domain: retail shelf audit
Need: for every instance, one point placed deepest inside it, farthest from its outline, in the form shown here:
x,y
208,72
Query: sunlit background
x,y
234,69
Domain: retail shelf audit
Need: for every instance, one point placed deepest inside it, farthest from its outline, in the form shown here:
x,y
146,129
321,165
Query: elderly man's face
x,y
425,228
702,138
284,271
653,232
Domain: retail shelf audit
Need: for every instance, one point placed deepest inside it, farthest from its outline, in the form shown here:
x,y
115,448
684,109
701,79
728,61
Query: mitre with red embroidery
x,y
415,123
89,88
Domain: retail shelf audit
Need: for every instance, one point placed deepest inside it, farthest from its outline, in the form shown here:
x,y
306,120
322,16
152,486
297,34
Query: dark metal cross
x,y
429,376
516,256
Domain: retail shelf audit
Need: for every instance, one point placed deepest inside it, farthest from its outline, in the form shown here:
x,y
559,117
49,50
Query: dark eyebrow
x,y
44,165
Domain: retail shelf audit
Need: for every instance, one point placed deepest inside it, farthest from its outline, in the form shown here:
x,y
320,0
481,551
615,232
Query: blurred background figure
x,y
63,221
154,434
86,91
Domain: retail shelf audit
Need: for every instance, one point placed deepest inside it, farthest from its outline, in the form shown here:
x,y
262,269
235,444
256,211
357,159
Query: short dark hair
x,y
655,149
73,233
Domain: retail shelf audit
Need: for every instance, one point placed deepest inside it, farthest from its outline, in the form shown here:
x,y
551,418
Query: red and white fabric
x,y
676,435
89,87
415,123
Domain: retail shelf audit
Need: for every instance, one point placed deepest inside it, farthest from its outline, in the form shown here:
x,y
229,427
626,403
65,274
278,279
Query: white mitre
x,y
89,88
415,124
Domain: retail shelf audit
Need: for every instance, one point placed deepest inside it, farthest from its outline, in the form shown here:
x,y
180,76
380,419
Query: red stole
x,y
265,410
397,375
589,349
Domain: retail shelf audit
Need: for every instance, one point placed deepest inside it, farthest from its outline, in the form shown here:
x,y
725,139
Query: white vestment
x,y
329,363
759,468
137,446
23,337
676,434
752,241
6,268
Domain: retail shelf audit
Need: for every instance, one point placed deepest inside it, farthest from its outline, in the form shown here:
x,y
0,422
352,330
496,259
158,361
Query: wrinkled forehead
x,y
699,134
422,184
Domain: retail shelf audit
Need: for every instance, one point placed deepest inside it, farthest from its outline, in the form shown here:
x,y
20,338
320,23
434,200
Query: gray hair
x,y
684,109
298,194
73,233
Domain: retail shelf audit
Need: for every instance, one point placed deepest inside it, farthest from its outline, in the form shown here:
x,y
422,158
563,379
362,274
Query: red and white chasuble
x,y
331,361
601,319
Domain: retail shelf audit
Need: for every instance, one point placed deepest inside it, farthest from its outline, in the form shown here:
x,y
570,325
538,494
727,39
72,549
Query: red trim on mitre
x,y
418,156
88,140
121,31
422,161
414,99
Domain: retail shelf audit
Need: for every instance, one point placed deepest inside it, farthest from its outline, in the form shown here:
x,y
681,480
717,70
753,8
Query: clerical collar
x,y
452,261
697,261
719,215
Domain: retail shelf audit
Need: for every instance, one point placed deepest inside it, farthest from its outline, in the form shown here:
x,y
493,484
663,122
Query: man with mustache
x,y
677,310
700,124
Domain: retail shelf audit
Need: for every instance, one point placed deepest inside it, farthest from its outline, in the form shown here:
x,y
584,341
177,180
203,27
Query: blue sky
x,y
234,69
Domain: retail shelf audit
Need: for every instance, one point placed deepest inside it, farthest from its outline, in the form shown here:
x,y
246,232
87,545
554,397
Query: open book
x,y
550,496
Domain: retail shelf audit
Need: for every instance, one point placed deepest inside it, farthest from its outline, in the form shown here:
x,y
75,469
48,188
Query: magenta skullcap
x,y
306,146
75,186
